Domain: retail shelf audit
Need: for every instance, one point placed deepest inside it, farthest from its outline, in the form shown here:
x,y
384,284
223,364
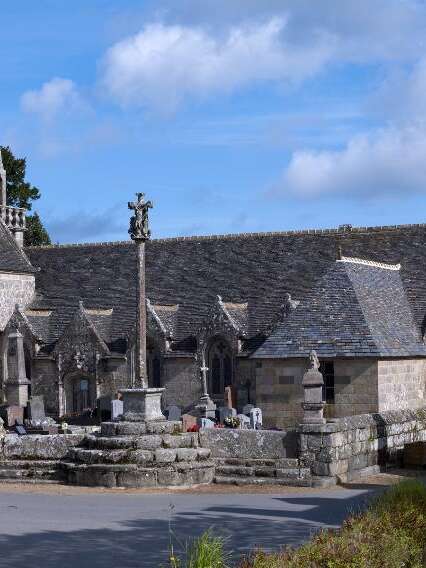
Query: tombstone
x,y
256,418
205,423
225,412
229,397
173,413
21,430
116,409
244,421
188,422
36,413
104,408
11,414
247,409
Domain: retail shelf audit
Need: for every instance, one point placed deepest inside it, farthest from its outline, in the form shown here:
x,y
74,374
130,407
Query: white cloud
x,y
55,96
390,161
162,64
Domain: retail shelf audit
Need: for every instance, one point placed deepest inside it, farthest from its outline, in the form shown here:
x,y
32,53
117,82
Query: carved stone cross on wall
x,y
139,228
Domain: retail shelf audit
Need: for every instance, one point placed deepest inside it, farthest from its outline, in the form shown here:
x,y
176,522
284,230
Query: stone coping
x,y
365,421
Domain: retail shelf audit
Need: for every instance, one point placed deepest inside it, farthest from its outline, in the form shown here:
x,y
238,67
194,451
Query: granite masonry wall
x,y
359,445
401,384
279,389
14,289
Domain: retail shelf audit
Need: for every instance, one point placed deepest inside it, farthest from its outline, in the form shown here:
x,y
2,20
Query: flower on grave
x,y
232,422
64,426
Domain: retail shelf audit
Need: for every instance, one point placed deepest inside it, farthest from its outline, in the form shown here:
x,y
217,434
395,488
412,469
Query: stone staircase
x,y
285,471
139,454
31,471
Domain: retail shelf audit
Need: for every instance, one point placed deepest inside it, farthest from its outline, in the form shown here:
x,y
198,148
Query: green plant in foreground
x,y
206,551
391,533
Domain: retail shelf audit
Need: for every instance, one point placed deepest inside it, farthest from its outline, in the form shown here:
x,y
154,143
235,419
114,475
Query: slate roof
x,y
257,269
356,309
12,258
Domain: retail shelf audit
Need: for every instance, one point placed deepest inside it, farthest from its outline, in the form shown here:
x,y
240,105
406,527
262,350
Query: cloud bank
x,y
161,65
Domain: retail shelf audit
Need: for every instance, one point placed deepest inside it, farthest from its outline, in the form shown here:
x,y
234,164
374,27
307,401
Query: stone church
x,y
250,307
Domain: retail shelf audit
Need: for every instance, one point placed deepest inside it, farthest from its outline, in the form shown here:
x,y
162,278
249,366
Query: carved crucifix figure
x,y
139,227
139,232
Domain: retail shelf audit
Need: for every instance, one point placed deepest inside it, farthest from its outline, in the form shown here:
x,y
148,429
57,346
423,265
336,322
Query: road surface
x,y
113,530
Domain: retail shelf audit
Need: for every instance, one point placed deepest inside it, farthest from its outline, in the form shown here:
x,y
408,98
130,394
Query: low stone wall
x,y
350,447
38,447
250,444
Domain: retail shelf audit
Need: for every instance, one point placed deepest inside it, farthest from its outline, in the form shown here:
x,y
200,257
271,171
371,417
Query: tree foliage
x,y
21,193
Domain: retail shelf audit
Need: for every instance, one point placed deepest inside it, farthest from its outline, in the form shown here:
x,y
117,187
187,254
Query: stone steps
x,y
138,456
243,481
30,471
282,463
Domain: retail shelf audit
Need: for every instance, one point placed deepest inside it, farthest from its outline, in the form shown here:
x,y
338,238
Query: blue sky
x,y
232,115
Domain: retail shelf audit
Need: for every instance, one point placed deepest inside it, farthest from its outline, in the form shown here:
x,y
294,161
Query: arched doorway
x,y
220,367
80,394
153,361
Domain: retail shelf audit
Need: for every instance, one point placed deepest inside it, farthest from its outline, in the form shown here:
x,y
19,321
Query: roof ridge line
x,y
355,260
344,229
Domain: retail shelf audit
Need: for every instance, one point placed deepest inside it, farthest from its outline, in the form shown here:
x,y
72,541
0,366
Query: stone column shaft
x,y
140,359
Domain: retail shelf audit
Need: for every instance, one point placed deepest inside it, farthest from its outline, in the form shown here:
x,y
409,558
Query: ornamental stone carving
x,y
139,226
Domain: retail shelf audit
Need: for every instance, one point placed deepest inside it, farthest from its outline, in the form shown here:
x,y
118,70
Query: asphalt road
x,y
132,530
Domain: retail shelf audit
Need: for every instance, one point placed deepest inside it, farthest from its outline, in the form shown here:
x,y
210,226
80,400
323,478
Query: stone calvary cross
x,y
139,232
139,229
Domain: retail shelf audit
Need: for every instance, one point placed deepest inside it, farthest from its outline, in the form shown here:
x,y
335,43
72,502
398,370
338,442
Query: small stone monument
x,y
313,404
205,423
229,397
247,409
244,421
256,418
36,412
205,407
17,383
225,412
173,413
116,409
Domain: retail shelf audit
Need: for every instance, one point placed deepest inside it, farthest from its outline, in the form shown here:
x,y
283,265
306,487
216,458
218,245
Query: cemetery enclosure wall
x,y
249,444
180,376
359,445
279,390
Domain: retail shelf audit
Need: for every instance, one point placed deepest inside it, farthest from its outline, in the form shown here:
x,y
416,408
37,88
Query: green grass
x,y
390,534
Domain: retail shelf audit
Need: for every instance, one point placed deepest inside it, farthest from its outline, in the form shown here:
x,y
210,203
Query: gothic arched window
x,y
220,365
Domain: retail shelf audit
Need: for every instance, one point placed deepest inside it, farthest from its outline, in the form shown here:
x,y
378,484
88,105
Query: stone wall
x,y
355,388
52,447
249,444
279,391
357,445
401,384
14,289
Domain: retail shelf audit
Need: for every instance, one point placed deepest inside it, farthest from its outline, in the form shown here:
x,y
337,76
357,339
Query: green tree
x,y
20,193
36,234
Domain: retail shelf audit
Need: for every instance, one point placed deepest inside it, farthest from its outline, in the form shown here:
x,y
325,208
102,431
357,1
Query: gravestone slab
x,y
225,412
116,409
247,408
256,418
229,397
244,421
173,413
205,423
188,422
36,411
12,414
